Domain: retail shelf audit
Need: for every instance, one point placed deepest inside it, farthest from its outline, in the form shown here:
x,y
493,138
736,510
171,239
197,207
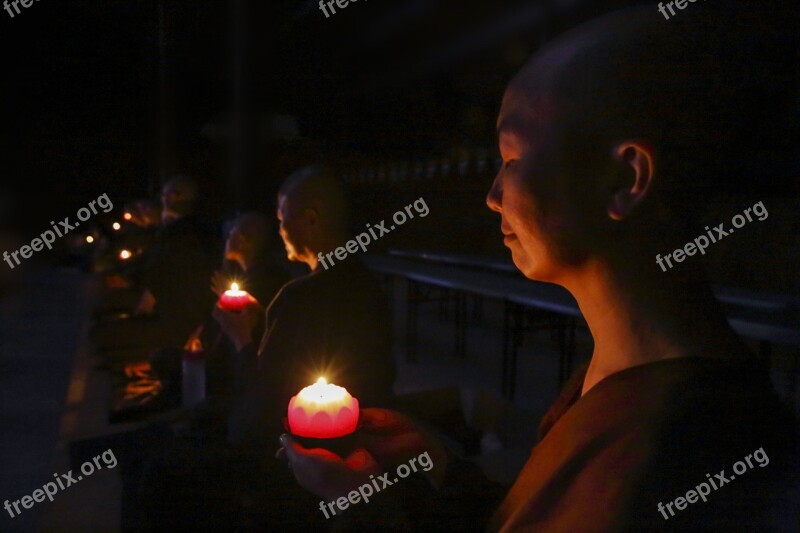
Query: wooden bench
x,y
766,318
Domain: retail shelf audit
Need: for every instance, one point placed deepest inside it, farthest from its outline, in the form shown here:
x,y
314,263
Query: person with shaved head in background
x,y
174,280
331,323
612,137
248,262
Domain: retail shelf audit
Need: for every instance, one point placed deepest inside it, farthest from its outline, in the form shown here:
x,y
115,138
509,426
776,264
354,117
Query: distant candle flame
x,y
124,254
116,226
89,239
127,216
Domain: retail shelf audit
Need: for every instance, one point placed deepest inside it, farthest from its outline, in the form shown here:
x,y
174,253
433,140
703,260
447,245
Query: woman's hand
x,y
193,343
324,473
393,438
239,326
219,282
386,439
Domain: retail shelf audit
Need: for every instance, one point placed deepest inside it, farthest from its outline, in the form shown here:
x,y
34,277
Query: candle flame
x,y
127,216
323,392
116,226
234,286
124,254
89,239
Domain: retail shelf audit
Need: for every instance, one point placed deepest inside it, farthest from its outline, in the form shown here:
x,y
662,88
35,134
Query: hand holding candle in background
x,y
220,282
234,299
238,326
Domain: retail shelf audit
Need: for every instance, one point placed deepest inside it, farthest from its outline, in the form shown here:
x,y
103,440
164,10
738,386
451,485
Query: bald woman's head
x,y
611,133
688,87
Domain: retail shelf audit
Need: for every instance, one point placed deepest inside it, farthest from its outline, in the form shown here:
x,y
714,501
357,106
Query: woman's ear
x,y
639,166
311,216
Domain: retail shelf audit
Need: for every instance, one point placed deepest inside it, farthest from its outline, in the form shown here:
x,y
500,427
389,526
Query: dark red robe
x,y
648,435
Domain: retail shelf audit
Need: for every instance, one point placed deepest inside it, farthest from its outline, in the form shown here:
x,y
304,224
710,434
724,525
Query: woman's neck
x,y
638,317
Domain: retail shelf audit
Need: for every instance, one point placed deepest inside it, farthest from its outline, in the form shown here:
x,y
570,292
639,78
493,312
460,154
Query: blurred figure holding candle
x,y
174,280
331,321
249,262
246,259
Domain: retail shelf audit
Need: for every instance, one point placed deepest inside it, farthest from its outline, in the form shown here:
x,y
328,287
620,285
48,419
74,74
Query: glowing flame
x,y
127,216
124,254
116,226
323,392
89,239
234,286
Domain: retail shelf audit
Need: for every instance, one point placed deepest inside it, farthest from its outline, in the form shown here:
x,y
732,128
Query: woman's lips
x,y
509,237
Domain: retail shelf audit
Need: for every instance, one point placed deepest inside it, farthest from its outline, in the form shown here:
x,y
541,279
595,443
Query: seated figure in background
x,y
332,323
247,261
174,283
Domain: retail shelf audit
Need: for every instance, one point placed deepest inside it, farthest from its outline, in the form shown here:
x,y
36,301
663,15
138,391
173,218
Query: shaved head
x,y
315,188
179,196
313,212
683,86
253,226
615,136
247,240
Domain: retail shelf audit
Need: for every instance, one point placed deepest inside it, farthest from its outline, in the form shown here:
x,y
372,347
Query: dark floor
x,y
41,322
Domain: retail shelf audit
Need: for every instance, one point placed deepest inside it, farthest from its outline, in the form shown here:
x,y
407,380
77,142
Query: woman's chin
x,y
529,267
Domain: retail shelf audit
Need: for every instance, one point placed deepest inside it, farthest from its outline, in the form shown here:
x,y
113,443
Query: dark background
x,y
115,96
